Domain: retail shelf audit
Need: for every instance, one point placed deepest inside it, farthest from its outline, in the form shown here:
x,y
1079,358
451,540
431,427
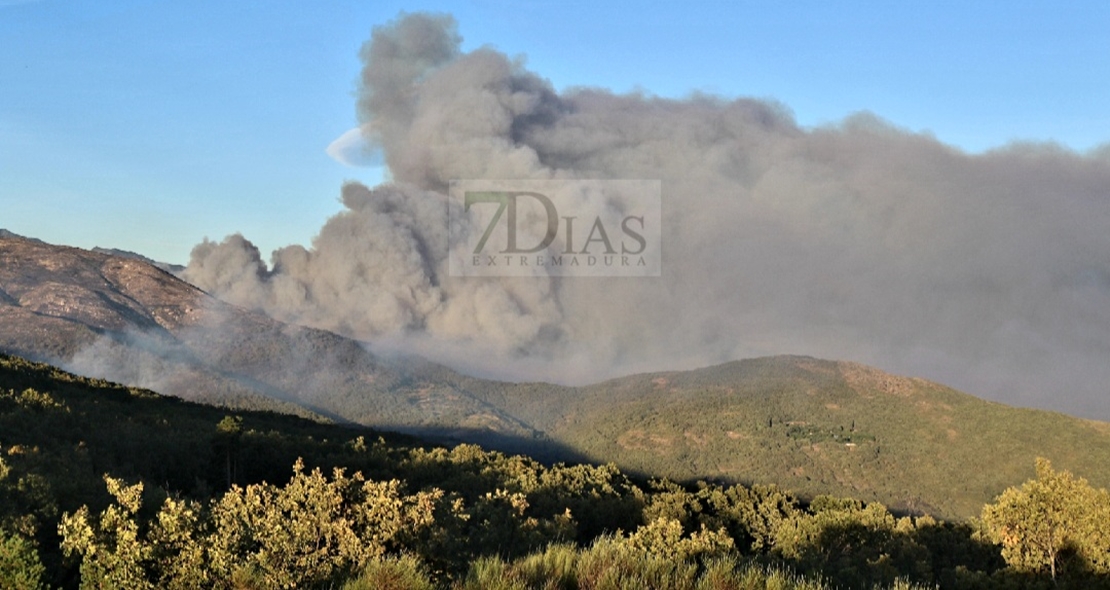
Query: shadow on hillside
x,y
944,555
539,447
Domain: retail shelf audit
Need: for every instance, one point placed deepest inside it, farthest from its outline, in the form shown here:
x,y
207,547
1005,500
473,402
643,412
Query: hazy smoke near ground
x,y
858,241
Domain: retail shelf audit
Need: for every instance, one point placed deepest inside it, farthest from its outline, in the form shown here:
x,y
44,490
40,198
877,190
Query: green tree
x,y
313,531
229,433
114,555
20,568
1047,518
664,537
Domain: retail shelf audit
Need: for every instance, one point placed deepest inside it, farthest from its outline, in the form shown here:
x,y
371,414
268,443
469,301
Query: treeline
x,y
108,487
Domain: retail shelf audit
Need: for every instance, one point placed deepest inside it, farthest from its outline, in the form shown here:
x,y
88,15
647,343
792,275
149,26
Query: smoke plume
x,y
857,241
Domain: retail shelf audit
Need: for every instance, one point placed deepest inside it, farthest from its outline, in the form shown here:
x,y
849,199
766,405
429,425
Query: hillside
x,y
103,485
812,426
170,268
63,437
123,319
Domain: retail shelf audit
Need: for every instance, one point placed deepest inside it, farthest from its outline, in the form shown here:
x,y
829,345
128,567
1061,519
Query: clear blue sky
x,y
150,125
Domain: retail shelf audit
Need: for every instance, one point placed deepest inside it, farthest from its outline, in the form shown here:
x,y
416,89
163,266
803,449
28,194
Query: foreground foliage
x,y
1055,520
107,487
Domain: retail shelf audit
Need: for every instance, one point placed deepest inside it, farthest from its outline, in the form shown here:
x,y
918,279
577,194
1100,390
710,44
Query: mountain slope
x,y
814,427
61,435
125,320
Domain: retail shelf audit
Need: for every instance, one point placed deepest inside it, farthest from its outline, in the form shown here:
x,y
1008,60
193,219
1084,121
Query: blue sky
x,y
151,125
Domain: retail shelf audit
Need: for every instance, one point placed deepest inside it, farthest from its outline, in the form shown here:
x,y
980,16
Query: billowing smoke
x,y
858,241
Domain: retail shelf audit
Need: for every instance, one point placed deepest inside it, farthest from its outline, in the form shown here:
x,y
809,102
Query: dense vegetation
x,y
814,427
103,486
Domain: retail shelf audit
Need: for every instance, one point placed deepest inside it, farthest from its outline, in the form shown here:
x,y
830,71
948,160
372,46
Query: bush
x,y
400,573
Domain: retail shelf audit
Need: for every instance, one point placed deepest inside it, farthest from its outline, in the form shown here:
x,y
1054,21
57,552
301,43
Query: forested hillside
x,y
104,486
812,426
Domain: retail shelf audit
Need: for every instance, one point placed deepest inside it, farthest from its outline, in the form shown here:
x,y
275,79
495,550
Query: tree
x,y
228,434
114,554
1056,513
19,563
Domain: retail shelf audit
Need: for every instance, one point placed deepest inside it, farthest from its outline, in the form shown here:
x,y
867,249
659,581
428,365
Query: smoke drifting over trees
x,y
856,241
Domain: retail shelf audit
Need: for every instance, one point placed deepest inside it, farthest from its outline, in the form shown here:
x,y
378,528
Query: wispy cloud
x,y
352,149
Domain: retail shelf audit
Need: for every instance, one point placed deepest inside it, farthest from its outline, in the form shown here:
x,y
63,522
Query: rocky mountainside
x,y
123,319
170,268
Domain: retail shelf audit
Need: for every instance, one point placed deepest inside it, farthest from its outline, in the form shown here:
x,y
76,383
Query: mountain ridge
x,y
124,319
816,427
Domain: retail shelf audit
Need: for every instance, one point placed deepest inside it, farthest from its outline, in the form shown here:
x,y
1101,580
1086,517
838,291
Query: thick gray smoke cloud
x,y
858,241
